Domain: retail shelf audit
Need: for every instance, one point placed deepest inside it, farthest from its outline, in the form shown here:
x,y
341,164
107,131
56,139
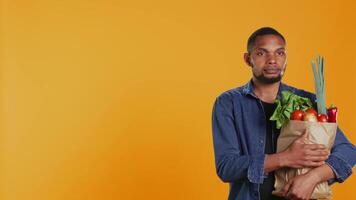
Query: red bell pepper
x,y
332,114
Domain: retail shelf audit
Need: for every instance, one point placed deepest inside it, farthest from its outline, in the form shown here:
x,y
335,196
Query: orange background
x,y
112,99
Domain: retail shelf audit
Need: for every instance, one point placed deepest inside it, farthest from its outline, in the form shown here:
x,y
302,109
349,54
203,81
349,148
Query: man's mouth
x,y
272,71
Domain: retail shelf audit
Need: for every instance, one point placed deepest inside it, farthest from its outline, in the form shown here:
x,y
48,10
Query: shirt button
x,y
261,141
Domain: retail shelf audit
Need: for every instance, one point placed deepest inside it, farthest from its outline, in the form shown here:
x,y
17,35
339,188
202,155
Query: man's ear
x,y
247,59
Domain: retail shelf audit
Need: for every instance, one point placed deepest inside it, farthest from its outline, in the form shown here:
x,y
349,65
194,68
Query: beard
x,y
266,80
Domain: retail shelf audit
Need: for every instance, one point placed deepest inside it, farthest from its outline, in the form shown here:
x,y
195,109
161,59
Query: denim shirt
x,y
239,131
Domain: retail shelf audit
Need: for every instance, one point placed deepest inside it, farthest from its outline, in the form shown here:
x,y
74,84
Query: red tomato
x,y
322,118
311,110
297,115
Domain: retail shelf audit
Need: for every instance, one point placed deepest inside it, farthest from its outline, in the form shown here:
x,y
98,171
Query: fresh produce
x,y
310,117
318,72
322,118
332,114
312,110
297,115
288,103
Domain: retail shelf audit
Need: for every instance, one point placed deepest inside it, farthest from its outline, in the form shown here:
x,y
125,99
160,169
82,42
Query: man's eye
x,y
259,53
281,53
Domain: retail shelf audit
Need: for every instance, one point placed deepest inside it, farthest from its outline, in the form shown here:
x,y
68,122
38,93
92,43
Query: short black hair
x,y
259,32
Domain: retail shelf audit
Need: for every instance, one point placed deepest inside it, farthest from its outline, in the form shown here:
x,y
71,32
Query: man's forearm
x,y
274,162
322,173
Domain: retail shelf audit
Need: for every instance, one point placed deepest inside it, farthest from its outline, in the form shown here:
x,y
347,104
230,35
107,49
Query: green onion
x,y
318,71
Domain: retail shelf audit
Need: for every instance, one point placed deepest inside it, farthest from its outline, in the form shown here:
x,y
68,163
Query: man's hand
x,y
300,187
299,154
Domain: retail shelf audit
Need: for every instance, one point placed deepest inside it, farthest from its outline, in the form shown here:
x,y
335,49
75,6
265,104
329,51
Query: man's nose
x,y
271,59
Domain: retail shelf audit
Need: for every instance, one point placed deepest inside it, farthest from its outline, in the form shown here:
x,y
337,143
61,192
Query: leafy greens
x,y
286,105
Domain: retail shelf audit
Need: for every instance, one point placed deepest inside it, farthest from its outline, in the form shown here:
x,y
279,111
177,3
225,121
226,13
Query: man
x,y
245,139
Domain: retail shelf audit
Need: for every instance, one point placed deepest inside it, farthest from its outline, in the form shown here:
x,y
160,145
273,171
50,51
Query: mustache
x,y
276,67
272,68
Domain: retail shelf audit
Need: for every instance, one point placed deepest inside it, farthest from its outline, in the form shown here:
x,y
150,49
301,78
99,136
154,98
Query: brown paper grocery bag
x,y
319,133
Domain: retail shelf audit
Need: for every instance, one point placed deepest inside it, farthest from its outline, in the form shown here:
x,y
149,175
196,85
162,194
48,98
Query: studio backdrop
x,y
112,99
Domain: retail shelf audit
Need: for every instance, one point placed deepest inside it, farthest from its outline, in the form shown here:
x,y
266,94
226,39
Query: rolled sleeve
x,y
341,168
342,158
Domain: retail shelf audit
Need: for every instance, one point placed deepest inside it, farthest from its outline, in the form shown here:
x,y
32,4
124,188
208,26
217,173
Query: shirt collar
x,y
248,89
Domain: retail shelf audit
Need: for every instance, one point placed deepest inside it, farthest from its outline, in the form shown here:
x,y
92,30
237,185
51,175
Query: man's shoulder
x,y
231,93
238,92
